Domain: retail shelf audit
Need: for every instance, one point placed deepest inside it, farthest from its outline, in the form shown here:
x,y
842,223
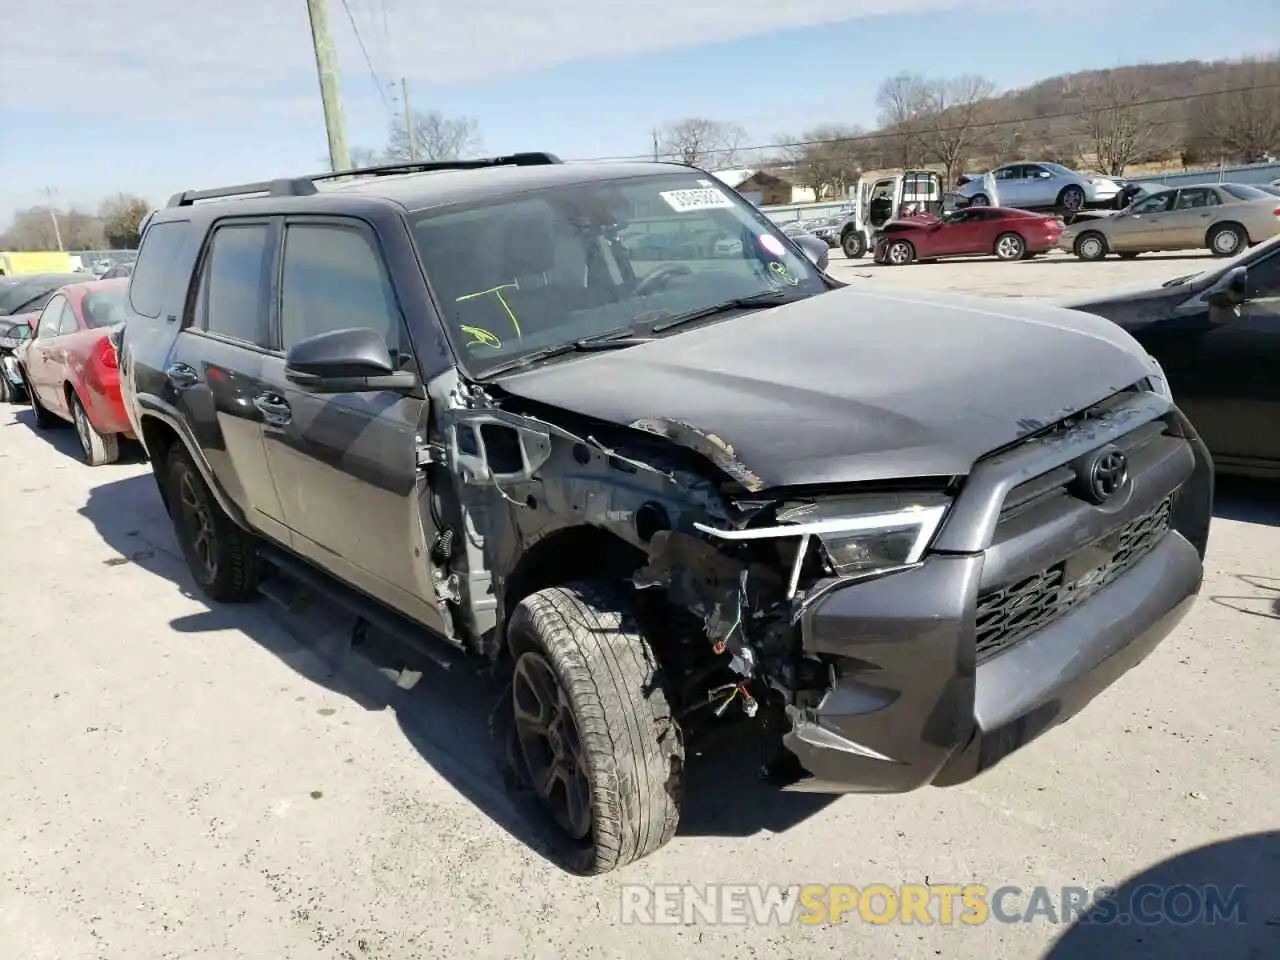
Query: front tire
x,y
220,555
1072,198
592,732
1091,246
854,245
899,253
98,448
980,200
1010,246
44,419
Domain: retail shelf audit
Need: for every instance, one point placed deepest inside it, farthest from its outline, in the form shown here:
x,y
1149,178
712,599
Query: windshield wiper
x,y
767,298
614,340
1179,281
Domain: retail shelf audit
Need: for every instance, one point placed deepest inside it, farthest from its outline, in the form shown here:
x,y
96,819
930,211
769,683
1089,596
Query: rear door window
x,y
230,298
157,262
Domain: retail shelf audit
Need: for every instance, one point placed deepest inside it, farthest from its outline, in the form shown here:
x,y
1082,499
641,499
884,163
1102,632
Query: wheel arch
x,y
578,552
158,431
1223,224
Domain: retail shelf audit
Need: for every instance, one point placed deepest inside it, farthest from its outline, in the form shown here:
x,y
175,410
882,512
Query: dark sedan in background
x,y
1217,336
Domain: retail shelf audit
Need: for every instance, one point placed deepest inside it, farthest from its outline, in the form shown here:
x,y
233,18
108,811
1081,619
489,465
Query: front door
x,y
1186,224
46,357
1141,226
346,465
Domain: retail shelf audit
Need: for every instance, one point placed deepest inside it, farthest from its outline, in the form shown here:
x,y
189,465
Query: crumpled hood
x,y
851,385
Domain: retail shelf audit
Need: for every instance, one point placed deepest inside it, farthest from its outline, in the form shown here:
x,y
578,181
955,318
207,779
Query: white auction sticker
x,y
687,201
772,245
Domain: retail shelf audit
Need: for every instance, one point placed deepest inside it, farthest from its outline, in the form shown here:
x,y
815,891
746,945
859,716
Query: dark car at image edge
x,y
1216,335
660,497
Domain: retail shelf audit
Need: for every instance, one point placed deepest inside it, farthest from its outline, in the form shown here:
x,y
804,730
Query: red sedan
x,y
975,231
70,369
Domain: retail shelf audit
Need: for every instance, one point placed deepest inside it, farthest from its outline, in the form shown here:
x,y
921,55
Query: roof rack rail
x,y
305,186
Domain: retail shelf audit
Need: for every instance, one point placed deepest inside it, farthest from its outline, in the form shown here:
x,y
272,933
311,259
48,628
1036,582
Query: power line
x,y
982,125
377,82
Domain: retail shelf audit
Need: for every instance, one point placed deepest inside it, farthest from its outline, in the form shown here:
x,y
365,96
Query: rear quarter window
x,y
160,260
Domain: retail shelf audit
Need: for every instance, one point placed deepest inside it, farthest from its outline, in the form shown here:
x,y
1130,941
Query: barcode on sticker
x,y
685,201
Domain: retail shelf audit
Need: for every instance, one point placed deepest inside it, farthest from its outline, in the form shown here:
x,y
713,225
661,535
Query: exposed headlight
x,y
860,535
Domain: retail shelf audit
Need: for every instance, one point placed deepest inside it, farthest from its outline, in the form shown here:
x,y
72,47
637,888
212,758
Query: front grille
x,y
1011,614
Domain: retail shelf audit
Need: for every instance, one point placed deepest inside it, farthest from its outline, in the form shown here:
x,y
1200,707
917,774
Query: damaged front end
x,y
750,584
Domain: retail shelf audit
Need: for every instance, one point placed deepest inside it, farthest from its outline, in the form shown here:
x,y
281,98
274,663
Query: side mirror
x,y
816,250
1225,299
355,360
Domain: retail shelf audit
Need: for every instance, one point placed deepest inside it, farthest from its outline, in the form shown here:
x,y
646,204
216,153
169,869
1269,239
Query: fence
x,y
1254,173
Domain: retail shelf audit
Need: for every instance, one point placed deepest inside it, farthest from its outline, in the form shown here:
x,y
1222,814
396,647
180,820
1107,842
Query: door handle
x,y
273,408
182,374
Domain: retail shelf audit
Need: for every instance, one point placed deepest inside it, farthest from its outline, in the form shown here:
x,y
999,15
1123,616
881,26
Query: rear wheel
x,y
1091,246
592,732
900,253
98,448
854,244
1227,239
220,555
1010,246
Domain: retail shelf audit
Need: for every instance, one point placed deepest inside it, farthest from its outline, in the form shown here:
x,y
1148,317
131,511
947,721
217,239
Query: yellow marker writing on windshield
x,y
497,292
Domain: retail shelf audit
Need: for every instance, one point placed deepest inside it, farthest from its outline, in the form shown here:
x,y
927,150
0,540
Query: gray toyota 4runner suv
x,y
603,426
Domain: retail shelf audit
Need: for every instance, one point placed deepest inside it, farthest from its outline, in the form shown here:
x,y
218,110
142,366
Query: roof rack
x,y
305,186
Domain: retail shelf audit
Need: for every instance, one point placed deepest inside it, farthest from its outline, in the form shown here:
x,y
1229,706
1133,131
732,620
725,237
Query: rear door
x,y
1187,222
214,370
346,464
1037,186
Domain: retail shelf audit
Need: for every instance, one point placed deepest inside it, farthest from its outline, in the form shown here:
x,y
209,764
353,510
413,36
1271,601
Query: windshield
x,y
566,263
1242,191
103,308
21,294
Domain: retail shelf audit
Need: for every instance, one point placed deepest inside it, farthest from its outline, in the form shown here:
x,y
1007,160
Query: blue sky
x,y
151,96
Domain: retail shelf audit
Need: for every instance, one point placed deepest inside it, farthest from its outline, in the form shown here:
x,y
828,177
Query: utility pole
x,y
330,95
53,215
655,143
408,120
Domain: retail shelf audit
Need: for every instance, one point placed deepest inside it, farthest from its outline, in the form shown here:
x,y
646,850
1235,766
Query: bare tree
x,y
1116,127
32,229
701,142
121,216
953,112
435,137
904,103
829,159
1243,125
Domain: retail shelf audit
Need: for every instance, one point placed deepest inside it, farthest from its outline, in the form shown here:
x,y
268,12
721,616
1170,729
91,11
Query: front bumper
x,y
913,702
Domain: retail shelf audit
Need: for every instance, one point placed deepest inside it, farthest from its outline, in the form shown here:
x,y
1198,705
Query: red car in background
x,y
69,366
974,231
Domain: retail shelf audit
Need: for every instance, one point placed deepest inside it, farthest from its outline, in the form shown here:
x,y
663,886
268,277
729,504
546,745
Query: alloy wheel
x,y
197,521
547,731
1009,248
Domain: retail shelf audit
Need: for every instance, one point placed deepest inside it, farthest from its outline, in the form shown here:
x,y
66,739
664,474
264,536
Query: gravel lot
x,y
182,781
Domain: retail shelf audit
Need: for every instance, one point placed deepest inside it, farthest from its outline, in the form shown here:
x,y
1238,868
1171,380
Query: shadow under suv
x,y
905,534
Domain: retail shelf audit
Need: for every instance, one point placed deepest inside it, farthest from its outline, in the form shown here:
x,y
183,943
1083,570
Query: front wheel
x,y
1091,246
900,253
1072,198
220,555
980,200
1010,246
592,732
854,244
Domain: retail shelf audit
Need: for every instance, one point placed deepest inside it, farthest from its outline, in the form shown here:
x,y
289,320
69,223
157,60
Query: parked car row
x,y
653,496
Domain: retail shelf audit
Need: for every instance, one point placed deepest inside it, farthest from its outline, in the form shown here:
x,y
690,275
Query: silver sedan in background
x,y
1040,185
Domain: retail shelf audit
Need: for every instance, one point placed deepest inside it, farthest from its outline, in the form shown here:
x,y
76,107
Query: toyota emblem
x,y
1108,472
